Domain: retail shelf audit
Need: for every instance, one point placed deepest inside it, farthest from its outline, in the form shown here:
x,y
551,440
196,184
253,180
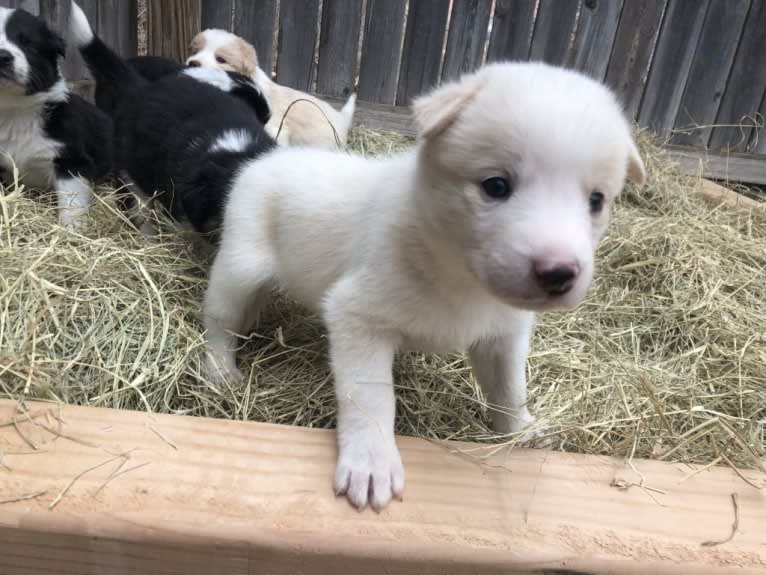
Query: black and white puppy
x,y
151,68
53,138
181,139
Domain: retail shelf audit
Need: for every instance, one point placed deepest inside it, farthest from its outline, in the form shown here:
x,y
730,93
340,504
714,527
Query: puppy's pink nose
x,y
195,63
556,277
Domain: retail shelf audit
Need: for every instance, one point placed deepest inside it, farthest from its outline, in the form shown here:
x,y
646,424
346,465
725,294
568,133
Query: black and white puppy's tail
x,y
114,77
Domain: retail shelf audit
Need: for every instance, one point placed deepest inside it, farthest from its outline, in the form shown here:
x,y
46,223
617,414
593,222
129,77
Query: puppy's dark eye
x,y
596,202
220,59
497,188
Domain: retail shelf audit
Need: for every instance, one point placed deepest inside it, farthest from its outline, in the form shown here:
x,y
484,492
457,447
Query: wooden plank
x,y
512,26
422,53
709,71
596,31
556,20
216,14
746,85
256,22
117,25
717,194
381,50
338,44
169,494
467,37
670,67
723,166
297,36
171,25
758,137
632,50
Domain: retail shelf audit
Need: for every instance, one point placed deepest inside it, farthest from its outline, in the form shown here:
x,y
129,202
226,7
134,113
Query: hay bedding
x,y
666,358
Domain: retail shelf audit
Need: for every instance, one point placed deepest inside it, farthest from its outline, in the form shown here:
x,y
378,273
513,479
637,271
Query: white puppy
x,y
308,121
495,214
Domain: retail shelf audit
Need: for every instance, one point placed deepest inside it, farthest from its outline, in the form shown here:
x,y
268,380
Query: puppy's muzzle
x,y
556,277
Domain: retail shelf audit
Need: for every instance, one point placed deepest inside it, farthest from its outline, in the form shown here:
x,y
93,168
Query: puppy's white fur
x,y
307,119
410,252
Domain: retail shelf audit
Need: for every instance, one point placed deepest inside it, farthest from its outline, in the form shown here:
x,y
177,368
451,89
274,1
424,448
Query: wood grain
x,y
512,27
633,45
422,51
709,72
556,21
720,165
338,43
670,66
216,14
596,31
210,496
466,37
746,86
171,25
256,22
297,36
383,32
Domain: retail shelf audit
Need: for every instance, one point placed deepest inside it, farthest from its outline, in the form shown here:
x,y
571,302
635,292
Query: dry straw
x,y
666,358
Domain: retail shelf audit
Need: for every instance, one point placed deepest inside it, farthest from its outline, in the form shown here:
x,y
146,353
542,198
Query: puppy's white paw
x,y
522,422
369,471
222,370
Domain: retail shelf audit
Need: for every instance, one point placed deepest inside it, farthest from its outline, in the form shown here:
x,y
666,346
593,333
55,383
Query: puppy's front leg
x,y
499,365
74,197
369,468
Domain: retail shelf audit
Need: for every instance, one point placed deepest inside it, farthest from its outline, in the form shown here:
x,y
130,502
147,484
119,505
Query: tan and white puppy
x,y
308,123
494,215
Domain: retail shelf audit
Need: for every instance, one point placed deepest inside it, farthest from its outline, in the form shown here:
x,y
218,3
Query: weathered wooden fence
x,y
694,71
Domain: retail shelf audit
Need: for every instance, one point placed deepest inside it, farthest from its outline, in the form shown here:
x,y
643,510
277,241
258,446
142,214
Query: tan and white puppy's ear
x,y
636,170
249,57
438,110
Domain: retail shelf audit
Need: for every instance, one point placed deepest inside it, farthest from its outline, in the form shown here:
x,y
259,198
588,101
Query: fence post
x,y
171,25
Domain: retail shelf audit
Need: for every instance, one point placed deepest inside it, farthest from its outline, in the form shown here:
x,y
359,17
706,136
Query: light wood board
x,y
210,496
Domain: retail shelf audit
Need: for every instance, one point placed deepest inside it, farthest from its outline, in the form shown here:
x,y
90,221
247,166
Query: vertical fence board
x,y
256,23
422,53
758,137
632,50
297,36
117,25
747,83
171,25
31,6
338,41
466,37
710,70
216,14
595,36
512,27
56,14
556,20
383,30
670,67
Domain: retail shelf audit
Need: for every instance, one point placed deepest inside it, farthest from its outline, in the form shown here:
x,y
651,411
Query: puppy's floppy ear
x,y
636,170
438,110
249,57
